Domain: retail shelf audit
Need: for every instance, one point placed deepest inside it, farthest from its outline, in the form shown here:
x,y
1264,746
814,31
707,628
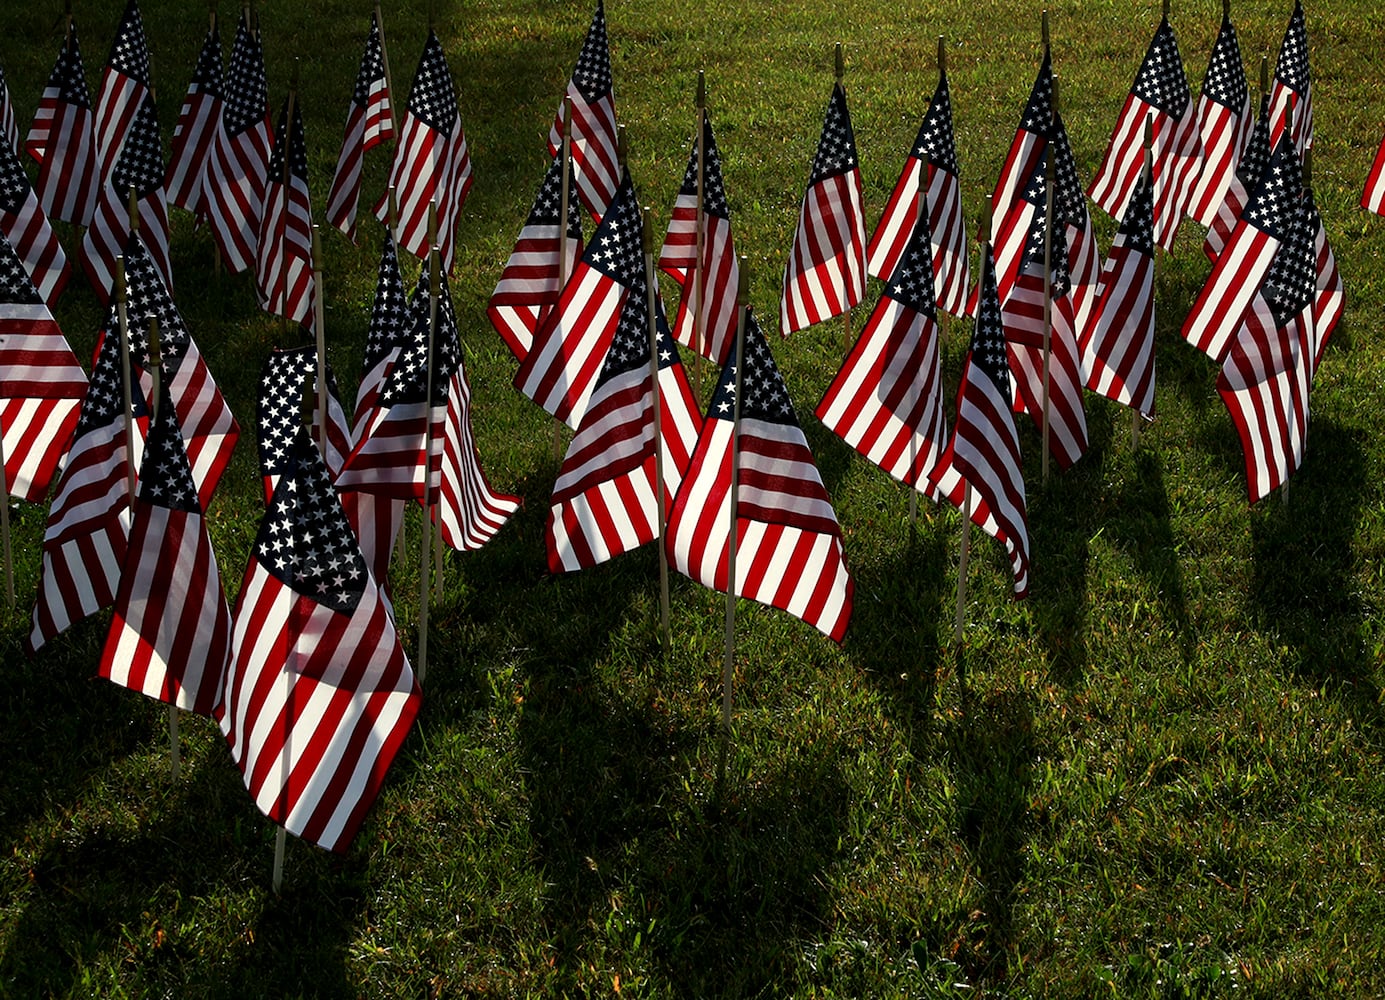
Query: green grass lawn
x,y
1163,775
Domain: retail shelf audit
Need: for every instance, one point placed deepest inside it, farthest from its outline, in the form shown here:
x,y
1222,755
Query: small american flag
x,y
26,227
789,550
62,139
1027,150
9,125
471,510
368,123
284,277
1225,117
826,271
594,138
286,375
319,694
1255,160
1331,295
198,121
1373,197
233,190
386,333
1291,94
124,87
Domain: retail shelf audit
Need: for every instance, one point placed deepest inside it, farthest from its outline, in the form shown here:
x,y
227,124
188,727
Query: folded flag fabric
x,y
386,333
284,279
27,230
1373,197
369,122
63,140
594,138
124,86
198,120
1225,117
1255,160
9,124
1291,94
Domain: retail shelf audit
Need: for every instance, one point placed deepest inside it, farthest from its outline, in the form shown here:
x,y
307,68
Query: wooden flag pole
x,y
320,329
698,274
175,756
1048,283
728,664
564,206
5,525
389,80
425,561
123,325
652,293
944,319
1148,172
962,566
913,437
1043,29
839,68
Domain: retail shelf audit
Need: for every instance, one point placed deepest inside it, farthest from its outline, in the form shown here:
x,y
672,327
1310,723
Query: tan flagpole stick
x,y
123,326
944,319
1043,29
651,294
389,80
840,69
699,274
320,329
425,562
175,756
564,206
284,215
913,437
965,559
728,665
1148,173
1048,283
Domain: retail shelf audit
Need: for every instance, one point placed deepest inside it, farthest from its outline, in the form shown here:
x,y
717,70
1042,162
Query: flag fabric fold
x,y
386,332
63,140
286,375
124,87
1254,161
1330,297
9,124
1225,118
1291,93
594,138
1373,197
284,279
369,122
27,230
198,120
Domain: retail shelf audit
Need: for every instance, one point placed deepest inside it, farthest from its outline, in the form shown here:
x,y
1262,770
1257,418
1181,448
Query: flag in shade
x,y
826,272
565,358
170,634
386,332
84,541
594,138
25,226
984,453
140,166
1118,353
9,125
41,383
1331,295
1291,94
886,402
368,123
1373,197
233,189
63,141
285,377
124,86
284,249
789,546
472,511
1255,160
1225,117
319,694
1265,378
1160,91
198,121
1219,310
605,500
528,287
934,148
721,271
1027,149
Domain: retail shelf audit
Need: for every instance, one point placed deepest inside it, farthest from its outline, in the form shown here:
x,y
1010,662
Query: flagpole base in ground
x,y
175,755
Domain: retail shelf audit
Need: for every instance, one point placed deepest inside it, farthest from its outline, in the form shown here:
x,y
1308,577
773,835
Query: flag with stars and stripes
x,y
886,402
386,332
1225,118
140,166
529,286
1026,153
1255,160
9,124
1330,300
470,508
1220,308
594,138
41,383
605,500
233,189
170,633
124,86
285,377
565,357
84,541
319,694
284,280
1373,197
934,149
826,272
1291,93
983,455
63,140
1118,354
198,120
789,551
1268,368
709,329
369,122
1160,91
25,226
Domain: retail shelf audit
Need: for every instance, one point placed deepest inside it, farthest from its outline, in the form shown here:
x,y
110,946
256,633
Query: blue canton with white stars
x,y
1291,284
1225,81
548,203
388,314
911,284
836,153
104,403
1292,67
207,74
16,288
1035,192
68,76
765,395
129,53
148,297
14,182
1069,200
140,164
1256,158
1161,81
615,248
1272,205
629,348
935,142
1038,113
988,338
1137,226
432,99
247,100
165,477
592,74
297,153
713,188
372,66
405,382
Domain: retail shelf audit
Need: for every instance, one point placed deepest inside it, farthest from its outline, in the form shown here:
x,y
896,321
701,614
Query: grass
x,y
1159,777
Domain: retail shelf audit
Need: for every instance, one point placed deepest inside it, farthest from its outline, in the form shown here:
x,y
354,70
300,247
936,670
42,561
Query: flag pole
x,y
5,525
650,280
698,276
728,665
1048,281
389,80
965,558
425,562
175,756
320,328
840,70
564,205
123,330
913,437
392,220
1148,173
944,319
284,215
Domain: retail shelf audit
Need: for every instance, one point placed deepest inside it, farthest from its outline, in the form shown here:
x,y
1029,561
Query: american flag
x,y
565,358
41,383
319,694
1265,378
233,189
472,511
1331,295
170,634
197,127
721,271
27,230
124,86
1373,197
1118,354
368,123
1225,117
886,402
140,166
934,149
62,139
984,453
789,546
1291,94
1212,323
84,541
1255,160
284,248
826,271
1160,90
9,125
594,138
528,287
605,500
286,375
386,333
